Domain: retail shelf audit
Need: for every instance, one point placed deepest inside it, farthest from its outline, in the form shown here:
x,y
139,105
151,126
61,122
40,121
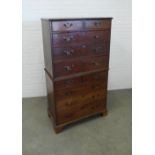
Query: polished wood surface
x,y
76,51
80,38
76,55
67,25
97,24
83,64
81,81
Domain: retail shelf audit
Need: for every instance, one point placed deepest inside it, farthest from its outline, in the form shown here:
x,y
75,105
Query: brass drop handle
x,y
95,63
98,49
96,36
83,46
97,23
68,68
68,39
68,52
68,25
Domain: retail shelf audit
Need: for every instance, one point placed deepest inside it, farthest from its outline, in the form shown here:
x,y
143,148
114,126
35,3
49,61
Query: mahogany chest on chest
x,y
76,54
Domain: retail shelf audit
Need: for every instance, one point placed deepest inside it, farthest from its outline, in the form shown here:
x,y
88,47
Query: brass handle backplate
x,y
68,68
68,25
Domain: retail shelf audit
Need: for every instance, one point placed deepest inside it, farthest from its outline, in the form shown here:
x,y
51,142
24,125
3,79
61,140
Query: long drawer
x,y
69,67
71,102
68,93
81,110
82,81
74,38
64,53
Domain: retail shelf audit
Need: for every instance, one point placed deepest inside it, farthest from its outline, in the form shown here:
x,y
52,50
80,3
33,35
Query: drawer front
x,y
79,111
80,38
96,78
65,39
82,81
97,36
80,65
72,102
98,24
62,94
67,25
64,53
69,83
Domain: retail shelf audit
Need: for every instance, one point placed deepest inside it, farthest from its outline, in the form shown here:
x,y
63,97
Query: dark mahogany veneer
x,y
76,53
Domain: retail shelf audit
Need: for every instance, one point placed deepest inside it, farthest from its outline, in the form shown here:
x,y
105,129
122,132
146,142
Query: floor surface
x,y
110,135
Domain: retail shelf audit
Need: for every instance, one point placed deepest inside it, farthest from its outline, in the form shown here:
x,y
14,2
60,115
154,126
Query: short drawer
x,y
97,36
66,39
70,67
98,24
67,25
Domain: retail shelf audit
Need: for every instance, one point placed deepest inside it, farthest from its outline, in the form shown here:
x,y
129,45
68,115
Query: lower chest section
x,y
80,97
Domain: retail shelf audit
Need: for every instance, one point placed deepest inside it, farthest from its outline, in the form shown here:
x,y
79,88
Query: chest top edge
x,y
87,18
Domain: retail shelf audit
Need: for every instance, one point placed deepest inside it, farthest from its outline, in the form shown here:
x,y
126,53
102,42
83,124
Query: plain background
x,y
120,73
143,77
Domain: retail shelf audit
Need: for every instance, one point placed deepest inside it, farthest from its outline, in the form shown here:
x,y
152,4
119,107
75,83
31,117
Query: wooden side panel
x,y
47,46
50,95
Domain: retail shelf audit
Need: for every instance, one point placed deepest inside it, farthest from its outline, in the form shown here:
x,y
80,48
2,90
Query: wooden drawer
x,y
69,83
80,38
68,93
81,110
69,67
67,25
97,24
81,81
96,78
64,53
65,39
97,36
72,102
